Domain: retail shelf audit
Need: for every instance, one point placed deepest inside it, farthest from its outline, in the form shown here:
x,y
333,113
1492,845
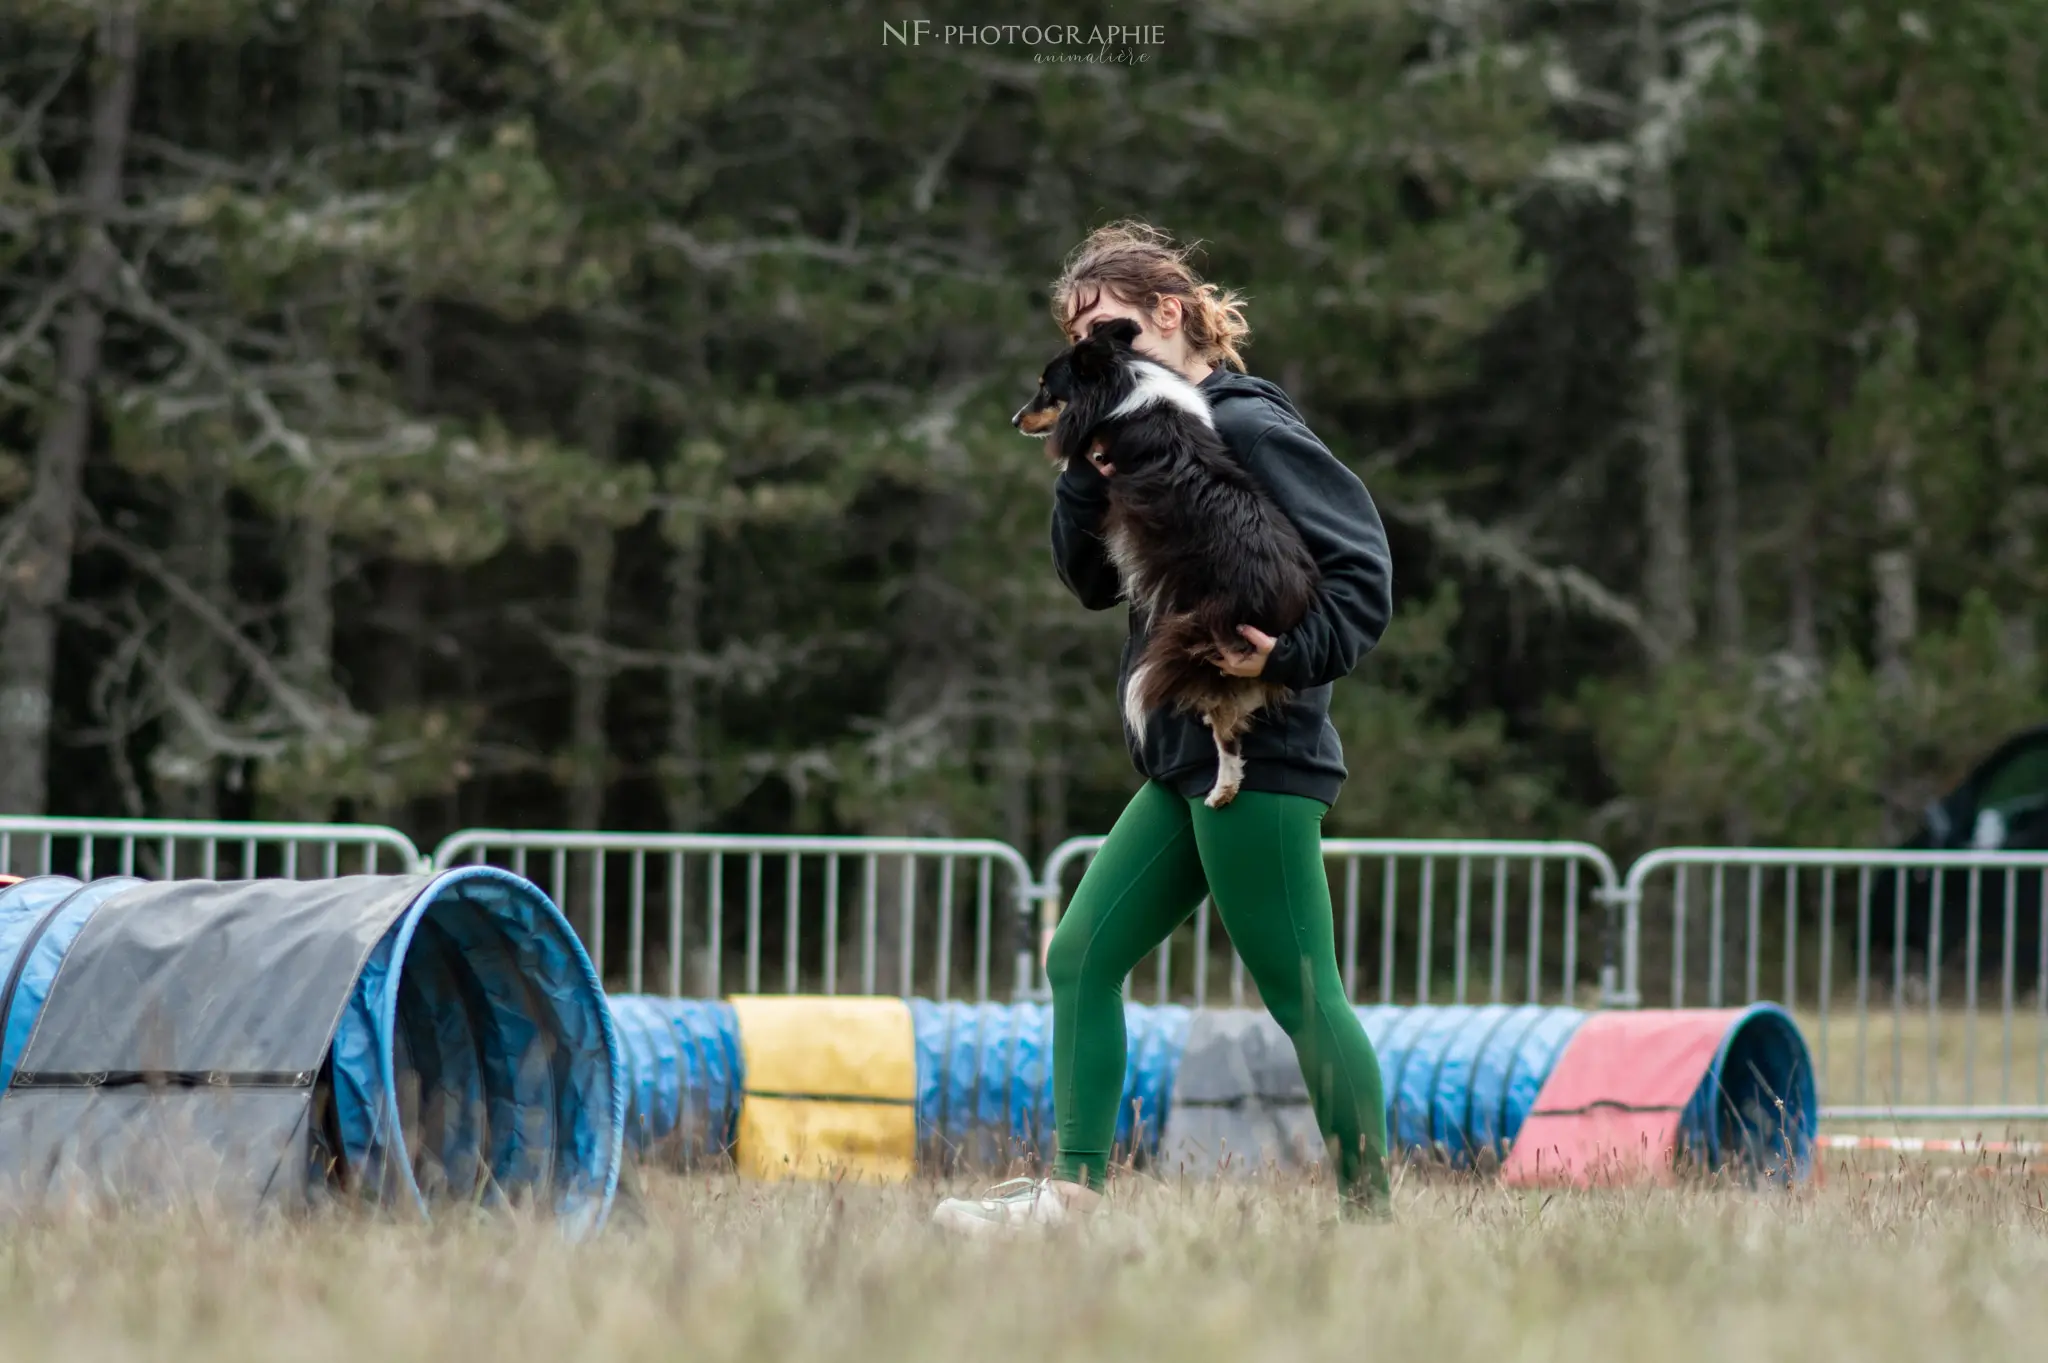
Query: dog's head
x,y
1077,373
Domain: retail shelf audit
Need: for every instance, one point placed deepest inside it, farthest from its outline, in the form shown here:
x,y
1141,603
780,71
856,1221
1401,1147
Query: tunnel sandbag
x,y
685,1077
1239,1101
1638,1093
1459,1083
984,1082
831,1088
443,1022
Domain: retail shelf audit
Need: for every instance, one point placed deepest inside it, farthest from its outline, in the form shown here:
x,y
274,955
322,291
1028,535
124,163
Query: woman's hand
x,y
1248,662
1097,456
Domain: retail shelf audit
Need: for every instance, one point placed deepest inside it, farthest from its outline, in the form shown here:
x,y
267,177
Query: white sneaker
x,y
1022,1204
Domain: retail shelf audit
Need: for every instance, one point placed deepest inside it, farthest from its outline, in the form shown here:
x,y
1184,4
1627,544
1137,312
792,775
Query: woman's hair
x,y
1139,264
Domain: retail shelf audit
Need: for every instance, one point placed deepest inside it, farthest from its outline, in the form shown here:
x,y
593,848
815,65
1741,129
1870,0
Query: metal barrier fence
x,y
171,849
1887,957
1920,977
1500,935
906,900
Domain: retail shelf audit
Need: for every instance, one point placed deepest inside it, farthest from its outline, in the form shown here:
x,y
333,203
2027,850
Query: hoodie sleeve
x,y
1336,516
1080,498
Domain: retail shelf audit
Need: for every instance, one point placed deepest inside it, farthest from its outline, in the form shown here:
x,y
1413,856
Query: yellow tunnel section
x,y
831,1088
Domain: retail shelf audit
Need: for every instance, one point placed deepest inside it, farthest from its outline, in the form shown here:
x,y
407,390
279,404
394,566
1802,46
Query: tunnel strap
x,y
1606,1105
1243,1101
110,1079
829,1098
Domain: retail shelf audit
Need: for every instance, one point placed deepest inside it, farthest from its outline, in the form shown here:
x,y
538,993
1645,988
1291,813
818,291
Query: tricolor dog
x,y
1198,545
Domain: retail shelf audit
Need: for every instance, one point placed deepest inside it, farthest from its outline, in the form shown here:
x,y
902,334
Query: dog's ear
x,y
1115,330
1094,359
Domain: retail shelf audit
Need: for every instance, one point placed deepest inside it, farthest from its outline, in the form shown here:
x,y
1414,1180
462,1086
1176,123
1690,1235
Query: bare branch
x,y
720,256
751,664
136,299
309,714
46,308
1564,588
32,113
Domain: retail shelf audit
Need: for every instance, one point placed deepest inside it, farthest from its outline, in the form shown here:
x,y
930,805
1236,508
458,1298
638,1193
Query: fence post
x,y
1617,964
1025,987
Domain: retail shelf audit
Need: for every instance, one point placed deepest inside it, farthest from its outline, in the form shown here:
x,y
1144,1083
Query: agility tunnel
x,y
406,1040
1547,1094
883,1086
1638,1095
1219,1091
984,1081
684,1076
1459,1082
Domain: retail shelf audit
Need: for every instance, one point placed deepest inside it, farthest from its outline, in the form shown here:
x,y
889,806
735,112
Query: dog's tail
x,y
1177,667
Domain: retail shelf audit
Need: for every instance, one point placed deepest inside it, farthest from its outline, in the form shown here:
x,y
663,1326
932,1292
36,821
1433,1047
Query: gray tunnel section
x,y
261,1043
1459,1081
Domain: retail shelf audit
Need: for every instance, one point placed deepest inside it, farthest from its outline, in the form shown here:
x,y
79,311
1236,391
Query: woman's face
x,y
1159,332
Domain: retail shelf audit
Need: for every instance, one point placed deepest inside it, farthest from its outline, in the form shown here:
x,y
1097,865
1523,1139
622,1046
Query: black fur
x,y
1199,545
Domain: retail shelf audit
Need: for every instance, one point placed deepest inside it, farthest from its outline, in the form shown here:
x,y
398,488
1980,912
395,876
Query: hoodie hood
x,y
1225,382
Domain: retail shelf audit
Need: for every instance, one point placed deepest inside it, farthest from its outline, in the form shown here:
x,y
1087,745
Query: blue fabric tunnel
x,y
685,1075
477,1058
410,1038
1758,1107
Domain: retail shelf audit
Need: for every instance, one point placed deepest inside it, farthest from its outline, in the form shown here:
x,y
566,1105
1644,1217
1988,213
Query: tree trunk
x,y
1051,803
1802,612
2020,505
591,683
1722,493
309,566
1667,492
404,603
309,601
1894,567
684,784
1013,758
1029,936
41,577
186,771
590,674
932,645
1894,573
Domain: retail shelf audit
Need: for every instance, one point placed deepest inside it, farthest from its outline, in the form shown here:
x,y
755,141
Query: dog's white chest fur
x,y
1130,569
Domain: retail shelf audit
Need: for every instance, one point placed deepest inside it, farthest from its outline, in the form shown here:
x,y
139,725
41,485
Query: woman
x,y
1259,858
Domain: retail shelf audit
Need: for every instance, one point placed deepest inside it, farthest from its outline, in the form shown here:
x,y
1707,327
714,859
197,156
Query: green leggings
x,y
1260,861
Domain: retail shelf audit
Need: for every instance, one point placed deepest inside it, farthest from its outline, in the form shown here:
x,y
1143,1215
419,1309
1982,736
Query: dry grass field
x,y
1916,1268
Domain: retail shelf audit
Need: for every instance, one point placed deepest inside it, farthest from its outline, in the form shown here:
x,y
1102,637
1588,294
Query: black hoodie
x,y
1294,751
